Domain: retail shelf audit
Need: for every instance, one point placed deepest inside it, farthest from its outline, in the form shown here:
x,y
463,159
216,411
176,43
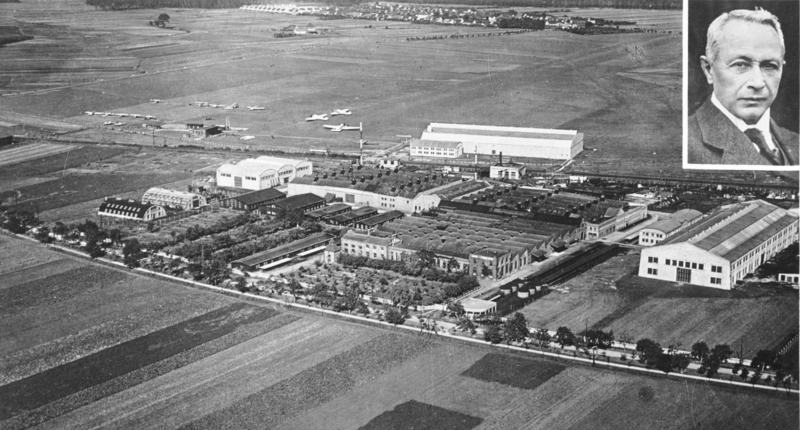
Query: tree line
x,y
154,4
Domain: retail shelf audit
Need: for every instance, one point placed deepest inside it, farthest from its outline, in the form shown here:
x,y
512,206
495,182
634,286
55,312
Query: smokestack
x,y
501,158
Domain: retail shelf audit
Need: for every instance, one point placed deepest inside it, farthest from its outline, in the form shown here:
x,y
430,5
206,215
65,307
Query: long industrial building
x,y
262,172
511,141
722,247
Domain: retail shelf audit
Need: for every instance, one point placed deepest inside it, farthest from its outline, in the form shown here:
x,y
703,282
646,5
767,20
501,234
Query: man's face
x,y
746,71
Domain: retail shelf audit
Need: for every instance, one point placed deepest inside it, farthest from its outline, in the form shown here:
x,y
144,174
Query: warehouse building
x,y
304,203
283,254
511,141
723,246
435,148
262,172
514,171
173,198
660,230
253,201
408,205
129,209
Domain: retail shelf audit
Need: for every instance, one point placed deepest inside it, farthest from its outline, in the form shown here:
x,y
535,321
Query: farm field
x,y
752,318
395,87
95,347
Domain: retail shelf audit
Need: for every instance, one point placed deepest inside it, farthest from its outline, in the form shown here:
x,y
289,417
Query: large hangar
x,y
261,173
723,246
511,141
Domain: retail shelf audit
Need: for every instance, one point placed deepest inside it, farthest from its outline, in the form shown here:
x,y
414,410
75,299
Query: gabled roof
x,y
734,230
127,207
260,196
299,201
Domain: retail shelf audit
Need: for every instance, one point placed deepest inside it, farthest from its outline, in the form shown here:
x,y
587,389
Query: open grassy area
x,y
610,297
168,357
538,79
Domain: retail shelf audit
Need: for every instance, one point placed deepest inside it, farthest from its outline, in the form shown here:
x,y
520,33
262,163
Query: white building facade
x,y
435,148
262,172
723,247
417,204
511,141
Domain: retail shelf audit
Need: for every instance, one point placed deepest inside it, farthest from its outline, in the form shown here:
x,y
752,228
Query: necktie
x,y
757,138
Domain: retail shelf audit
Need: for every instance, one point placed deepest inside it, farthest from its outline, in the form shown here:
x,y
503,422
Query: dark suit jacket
x,y
713,139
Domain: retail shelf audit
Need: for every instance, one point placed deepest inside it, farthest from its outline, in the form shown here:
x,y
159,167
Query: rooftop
x,y
280,251
488,130
259,196
732,231
675,221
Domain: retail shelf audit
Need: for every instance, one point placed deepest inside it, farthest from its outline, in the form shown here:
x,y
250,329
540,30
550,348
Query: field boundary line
x,y
384,324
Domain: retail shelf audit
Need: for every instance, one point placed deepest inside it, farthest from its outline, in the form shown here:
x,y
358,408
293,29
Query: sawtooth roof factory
x,y
511,141
723,246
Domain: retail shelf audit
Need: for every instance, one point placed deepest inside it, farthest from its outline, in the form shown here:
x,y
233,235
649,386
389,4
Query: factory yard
x,y
205,360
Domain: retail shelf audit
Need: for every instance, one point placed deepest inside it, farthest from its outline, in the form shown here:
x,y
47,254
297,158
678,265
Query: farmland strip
x,y
413,414
216,382
45,387
37,271
100,393
520,372
315,385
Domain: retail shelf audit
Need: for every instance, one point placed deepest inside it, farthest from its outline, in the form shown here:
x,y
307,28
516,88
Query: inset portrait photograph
x,y
741,85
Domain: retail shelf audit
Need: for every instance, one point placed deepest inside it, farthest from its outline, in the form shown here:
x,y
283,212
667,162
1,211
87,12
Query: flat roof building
x,y
722,247
254,200
284,253
511,141
435,148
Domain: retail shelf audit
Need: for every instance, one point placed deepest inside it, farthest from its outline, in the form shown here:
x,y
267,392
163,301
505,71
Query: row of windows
x,y
250,178
651,271
686,264
653,259
225,175
654,234
716,281
716,269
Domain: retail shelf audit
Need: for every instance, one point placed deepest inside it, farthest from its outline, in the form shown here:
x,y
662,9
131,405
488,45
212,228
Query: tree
x,y
663,362
649,351
744,373
131,253
394,316
426,259
564,336
599,338
493,334
542,336
680,362
43,235
700,351
93,249
456,309
764,358
516,328
466,324
723,352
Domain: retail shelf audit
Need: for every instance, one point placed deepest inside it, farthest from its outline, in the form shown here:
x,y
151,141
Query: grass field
x,y
752,318
113,349
538,79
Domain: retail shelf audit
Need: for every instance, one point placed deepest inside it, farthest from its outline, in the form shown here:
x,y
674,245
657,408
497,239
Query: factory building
x,y
723,246
435,148
513,171
129,209
658,231
262,172
511,141
173,198
408,205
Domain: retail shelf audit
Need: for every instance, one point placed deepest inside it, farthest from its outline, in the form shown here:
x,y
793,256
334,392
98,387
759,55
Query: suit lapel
x,y
786,140
718,132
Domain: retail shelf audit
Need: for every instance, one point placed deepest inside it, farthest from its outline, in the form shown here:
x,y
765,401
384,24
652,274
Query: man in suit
x,y
743,61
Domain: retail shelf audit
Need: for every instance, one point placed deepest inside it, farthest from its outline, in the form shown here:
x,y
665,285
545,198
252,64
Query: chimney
x,y
501,158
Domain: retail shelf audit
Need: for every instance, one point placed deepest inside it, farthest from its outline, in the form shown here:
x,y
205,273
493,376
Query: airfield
x,y
622,91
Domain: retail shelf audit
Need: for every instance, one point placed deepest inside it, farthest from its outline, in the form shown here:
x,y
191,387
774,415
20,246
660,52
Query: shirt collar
x,y
762,125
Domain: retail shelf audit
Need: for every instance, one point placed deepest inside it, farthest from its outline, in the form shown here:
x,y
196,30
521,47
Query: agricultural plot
x,y
610,297
192,360
28,152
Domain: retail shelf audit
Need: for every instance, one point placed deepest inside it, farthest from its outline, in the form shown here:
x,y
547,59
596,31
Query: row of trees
x,y
153,4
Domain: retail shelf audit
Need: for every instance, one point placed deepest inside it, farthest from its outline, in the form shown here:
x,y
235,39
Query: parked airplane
x,y
108,123
201,104
231,106
315,117
119,123
247,137
341,112
342,127
90,113
155,100
256,107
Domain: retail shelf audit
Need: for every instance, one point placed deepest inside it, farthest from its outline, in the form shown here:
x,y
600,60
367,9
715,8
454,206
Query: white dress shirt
x,y
762,125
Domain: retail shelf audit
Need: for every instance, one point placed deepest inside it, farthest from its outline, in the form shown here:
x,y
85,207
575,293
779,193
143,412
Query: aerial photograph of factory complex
x,y
230,214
